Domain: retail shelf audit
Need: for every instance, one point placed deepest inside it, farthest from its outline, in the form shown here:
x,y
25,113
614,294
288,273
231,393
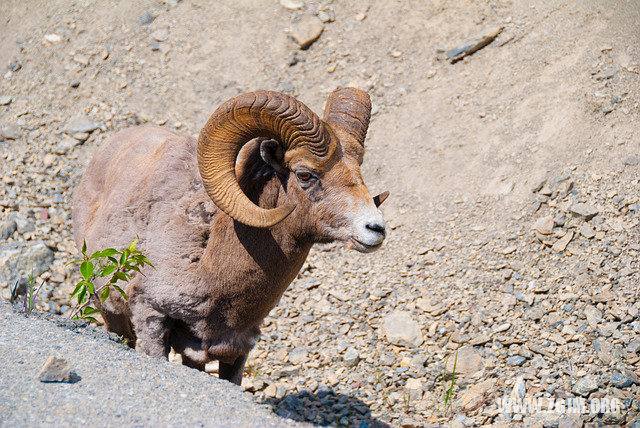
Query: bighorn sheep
x,y
285,179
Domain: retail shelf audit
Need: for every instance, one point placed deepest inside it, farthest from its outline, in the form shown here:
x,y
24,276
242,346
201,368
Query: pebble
x,y
469,361
146,18
10,131
298,355
55,369
7,228
400,329
292,4
561,244
516,360
620,380
584,211
66,145
585,385
81,124
351,357
160,35
307,31
5,100
544,225
587,231
52,38
632,161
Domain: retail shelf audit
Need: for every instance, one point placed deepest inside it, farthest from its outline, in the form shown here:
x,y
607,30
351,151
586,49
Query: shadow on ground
x,y
325,407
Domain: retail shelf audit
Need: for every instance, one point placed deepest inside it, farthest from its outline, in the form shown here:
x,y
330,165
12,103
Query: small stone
x,y
561,244
415,388
584,211
292,4
508,250
271,391
81,59
400,329
15,66
7,228
604,351
632,161
634,346
49,159
160,35
81,124
66,145
351,357
298,355
146,18
516,360
587,231
5,100
307,31
544,225
81,136
10,131
469,361
74,83
593,315
477,395
519,388
620,381
52,38
585,386
55,370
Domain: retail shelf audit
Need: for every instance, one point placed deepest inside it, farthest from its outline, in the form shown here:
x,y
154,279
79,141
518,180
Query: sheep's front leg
x,y
152,328
233,372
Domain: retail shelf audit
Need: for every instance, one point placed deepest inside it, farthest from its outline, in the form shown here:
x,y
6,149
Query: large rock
x,y
400,329
18,260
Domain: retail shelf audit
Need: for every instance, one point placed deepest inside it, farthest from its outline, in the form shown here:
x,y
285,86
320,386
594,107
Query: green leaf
x,y
108,252
132,246
108,270
121,291
120,276
90,319
105,294
96,255
79,286
113,260
89,310
84,248
123,257
91,288
82,295
86,269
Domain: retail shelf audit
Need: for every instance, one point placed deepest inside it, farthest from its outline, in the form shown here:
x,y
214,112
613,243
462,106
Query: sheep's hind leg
x,y
233,372
152,328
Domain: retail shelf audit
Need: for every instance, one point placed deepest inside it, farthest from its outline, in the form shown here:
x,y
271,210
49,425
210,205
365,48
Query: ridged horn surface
x,y
236,122
349,109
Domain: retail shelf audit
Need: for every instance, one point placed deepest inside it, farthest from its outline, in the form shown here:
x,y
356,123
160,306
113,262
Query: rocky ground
x,y
514,219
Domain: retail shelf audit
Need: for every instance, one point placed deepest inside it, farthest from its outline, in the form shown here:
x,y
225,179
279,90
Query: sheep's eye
x,y
304,176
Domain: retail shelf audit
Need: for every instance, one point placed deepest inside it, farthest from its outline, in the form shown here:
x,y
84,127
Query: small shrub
x,y
447,394
111,263
30,297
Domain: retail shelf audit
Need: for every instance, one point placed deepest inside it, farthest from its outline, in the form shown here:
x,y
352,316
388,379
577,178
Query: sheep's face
x,y
336,201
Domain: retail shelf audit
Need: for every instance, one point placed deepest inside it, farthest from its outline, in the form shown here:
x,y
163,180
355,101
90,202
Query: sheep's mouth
x,y
363,247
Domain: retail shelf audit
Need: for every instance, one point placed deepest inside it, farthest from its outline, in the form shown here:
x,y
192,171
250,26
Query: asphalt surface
x,y
117,386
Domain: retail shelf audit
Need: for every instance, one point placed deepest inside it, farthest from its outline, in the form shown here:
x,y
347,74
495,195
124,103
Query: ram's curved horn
x,y
239,120
350,110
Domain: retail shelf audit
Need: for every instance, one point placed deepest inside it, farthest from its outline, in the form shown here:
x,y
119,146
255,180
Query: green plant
x,y
111,263
30,296
447,394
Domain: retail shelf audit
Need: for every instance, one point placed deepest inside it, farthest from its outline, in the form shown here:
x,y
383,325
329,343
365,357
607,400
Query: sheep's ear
x,y
272,153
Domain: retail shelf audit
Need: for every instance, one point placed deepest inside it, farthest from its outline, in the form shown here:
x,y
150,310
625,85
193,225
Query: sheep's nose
x,y
377,228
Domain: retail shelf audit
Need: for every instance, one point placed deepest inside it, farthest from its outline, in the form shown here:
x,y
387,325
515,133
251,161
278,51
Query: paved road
x,y
118,387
